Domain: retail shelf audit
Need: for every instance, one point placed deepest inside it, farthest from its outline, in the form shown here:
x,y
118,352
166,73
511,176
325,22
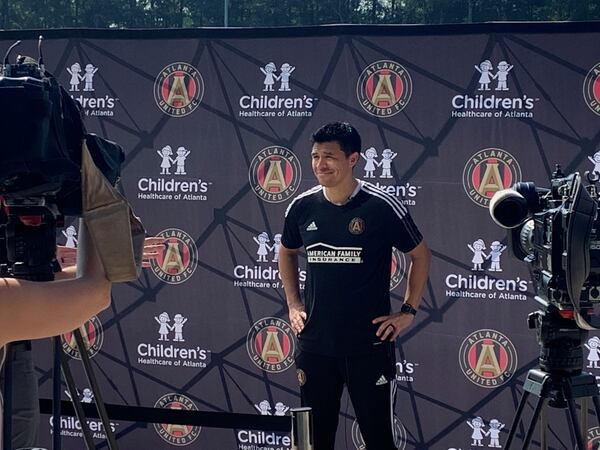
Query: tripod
x,y
28,242
559,381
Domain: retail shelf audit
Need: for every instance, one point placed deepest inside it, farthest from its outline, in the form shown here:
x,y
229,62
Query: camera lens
x,y
508,208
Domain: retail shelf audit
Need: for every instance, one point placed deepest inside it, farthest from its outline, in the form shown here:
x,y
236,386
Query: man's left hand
x,y
391,326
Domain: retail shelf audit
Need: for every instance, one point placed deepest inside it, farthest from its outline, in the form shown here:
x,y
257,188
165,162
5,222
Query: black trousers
x,y
371,386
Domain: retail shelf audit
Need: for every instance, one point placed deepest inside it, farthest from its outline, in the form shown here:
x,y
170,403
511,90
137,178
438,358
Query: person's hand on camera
x,y
391,326
153,247
66,256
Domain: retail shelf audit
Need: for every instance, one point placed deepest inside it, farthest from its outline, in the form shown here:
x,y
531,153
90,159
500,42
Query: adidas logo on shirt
x,y
382,380
312,227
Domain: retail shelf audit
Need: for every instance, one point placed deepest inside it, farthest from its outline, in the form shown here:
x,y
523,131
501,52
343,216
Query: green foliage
x,y
22,14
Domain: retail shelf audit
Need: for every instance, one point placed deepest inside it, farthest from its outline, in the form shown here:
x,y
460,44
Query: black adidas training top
x,y
349,253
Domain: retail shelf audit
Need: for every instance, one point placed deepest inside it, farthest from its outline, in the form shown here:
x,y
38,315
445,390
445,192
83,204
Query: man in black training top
x,y
345,326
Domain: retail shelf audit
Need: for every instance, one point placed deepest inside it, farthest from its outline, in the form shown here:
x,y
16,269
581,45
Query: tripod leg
x,y
575,424
543,428
56,388
85,359
7,388
516,419
85,428
536,414
596,401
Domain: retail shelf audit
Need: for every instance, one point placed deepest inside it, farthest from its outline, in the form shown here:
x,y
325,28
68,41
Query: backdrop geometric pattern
x,y
215,125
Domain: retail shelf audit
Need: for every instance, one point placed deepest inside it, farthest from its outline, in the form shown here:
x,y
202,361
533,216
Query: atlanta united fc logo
x,y
179,258
270,344
93,337
275,174
398,268
593,438
384,88
488,358
591,89
178,89
179,435
489,171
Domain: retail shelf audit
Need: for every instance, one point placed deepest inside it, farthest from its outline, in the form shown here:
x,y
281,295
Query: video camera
x,y
42,134
557,231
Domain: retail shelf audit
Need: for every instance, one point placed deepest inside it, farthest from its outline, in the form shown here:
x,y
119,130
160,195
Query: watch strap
x,y
407,308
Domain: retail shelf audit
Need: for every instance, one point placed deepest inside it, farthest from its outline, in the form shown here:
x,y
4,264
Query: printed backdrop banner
x,y
216,127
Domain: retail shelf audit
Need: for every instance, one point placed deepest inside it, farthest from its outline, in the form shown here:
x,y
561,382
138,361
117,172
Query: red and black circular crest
x,y
488,358
489,171
93,337
270,344
384,88
591,89
275,174
178,89
178,259
179,435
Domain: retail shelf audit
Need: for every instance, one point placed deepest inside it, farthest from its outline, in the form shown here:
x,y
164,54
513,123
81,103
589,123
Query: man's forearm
x,y
418,273
288,269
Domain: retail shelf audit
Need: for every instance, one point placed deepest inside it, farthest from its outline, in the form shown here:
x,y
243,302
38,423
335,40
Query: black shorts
x,y
370,380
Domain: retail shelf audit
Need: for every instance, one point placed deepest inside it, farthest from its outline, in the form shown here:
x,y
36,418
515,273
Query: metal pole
x,y
225,13
302,429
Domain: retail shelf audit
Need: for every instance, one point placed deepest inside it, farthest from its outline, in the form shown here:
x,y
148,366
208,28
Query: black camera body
x,y
557,231
42,134
40,175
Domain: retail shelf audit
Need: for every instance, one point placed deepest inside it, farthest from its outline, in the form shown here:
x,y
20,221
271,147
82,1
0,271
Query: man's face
x,y
330,164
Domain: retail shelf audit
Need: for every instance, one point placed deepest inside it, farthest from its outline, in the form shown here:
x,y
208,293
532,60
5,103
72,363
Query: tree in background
x,y
27,14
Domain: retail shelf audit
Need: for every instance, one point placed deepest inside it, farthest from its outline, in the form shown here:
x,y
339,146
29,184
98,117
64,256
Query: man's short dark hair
x,y
341,132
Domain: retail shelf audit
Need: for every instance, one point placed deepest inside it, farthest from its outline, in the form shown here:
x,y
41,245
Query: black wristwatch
x,y
407,308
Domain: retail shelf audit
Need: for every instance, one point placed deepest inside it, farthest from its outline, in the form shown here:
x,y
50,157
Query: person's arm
x,y
391,326
288,269
67,257
32,310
